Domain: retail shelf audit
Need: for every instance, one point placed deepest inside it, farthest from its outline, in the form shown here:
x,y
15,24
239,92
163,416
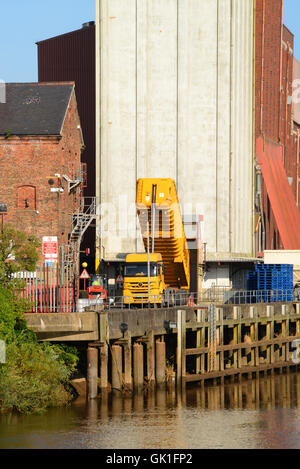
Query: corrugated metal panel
x,y
71,57
283,204
176,101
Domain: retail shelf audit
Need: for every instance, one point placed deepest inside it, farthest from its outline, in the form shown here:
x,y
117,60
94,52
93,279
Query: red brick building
x,y
40,158
275,125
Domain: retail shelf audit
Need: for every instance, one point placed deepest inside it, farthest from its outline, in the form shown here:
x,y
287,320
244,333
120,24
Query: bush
x,y
12,318
34,378
35,375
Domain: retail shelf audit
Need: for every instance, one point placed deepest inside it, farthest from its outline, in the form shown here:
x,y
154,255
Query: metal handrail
x,y
211,296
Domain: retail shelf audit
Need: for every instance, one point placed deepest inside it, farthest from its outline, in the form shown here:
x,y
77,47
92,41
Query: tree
x,y
18,252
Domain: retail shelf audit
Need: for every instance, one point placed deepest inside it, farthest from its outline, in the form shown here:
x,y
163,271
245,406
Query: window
x,y
140,270
26,198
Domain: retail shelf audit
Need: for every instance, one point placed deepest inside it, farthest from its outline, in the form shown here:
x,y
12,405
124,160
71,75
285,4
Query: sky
x,y
24,22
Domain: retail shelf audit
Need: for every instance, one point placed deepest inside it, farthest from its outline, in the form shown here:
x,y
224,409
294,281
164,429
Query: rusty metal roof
x,y
287,216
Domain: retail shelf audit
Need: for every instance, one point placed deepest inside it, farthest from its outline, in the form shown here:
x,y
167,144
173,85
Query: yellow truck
x,y
161,275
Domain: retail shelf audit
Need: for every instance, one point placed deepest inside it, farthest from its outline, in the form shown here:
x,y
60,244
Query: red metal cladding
x,y
287,216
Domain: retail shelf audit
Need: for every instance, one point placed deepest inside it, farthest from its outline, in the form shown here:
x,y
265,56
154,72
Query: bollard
x,y
92,372
138,367
160,363
116,367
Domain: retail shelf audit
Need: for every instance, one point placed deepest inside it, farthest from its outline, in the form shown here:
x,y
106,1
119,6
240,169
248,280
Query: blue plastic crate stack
x,y
270,283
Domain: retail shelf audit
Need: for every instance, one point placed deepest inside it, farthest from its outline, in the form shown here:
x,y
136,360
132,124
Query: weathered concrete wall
x,y
102,325
64,327
175,99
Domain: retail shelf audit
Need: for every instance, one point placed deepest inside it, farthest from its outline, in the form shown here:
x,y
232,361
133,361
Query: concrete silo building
x,y
175,99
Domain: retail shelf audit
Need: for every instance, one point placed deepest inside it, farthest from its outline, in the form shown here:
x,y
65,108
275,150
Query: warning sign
x,y
50,247
119,279
84,274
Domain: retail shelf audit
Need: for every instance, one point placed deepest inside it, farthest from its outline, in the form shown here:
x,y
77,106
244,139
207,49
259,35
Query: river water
x,y
254,414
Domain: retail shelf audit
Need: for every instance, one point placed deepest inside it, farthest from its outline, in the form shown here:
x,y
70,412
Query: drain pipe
x,y
259,195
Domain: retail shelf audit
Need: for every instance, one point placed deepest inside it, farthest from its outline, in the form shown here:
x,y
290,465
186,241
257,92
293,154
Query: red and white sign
x,y
84,274
119,279
50,247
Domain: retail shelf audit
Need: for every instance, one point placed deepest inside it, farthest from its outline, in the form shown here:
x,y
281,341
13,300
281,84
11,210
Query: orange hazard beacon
x,y
163,271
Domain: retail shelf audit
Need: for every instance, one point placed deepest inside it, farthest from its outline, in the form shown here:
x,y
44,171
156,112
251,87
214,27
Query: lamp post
x,y
3,211
84,265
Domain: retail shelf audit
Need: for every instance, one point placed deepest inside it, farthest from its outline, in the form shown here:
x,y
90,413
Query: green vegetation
x,y
17,253
35,375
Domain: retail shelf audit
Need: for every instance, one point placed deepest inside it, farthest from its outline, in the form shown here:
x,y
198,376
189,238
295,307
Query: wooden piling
x,y
138,367
151,360
103,367
198,341
128,365
181,343
104,339
235,337
221,340
160,363
92,372
116,368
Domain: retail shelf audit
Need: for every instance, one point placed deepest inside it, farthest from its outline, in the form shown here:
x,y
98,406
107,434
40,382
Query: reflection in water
x,y
261,413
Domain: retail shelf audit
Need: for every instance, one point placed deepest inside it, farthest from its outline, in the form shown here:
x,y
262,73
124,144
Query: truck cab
x,y
135,290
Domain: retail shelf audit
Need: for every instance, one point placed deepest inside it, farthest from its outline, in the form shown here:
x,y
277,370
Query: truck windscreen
x,y
140,270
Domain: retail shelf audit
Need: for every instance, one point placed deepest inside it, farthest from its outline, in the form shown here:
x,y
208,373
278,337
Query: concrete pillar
x,y
138,366
104,367
160,363
116,367
92,372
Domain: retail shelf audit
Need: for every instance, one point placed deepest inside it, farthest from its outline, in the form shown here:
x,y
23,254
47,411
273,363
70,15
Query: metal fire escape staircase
x,y
81,220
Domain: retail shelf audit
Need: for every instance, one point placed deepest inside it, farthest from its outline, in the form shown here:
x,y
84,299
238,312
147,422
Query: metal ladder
x,y
81,219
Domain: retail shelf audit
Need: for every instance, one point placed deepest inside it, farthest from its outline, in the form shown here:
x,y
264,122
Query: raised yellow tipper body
x,y
163,236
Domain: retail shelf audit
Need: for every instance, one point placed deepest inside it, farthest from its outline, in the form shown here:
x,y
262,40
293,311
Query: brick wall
x,y
268,57
273,109
287,135
26,166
